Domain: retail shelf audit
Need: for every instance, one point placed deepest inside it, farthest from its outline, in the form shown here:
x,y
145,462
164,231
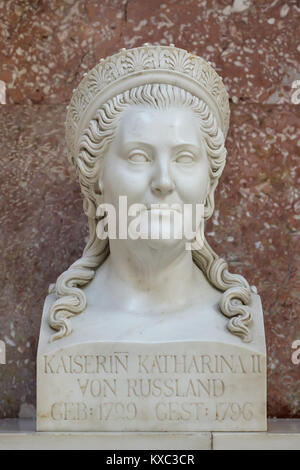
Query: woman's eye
x,y
184,158
139,157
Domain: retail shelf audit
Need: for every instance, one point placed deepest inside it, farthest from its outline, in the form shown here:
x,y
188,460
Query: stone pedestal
x,y
282,434
187,385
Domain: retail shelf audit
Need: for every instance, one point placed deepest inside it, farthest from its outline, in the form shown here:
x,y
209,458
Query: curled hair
x,y
71,300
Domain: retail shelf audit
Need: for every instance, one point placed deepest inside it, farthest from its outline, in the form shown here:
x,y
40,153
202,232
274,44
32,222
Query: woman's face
x,y
156,157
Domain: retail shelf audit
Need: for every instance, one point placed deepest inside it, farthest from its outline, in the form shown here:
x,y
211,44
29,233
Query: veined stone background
x,y
45,47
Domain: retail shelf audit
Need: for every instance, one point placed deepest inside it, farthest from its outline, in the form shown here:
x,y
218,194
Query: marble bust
x,y
173,143
149,124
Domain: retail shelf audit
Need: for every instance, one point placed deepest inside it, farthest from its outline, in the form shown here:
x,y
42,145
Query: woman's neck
x,y
143,276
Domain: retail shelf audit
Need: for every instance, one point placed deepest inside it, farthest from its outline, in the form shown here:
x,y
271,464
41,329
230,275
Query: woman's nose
x,y
162,183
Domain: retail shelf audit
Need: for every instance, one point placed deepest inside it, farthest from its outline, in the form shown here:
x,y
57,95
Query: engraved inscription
x,y
69,411
86,364
234,411
150,364
129,387
97,387
175,387
117,410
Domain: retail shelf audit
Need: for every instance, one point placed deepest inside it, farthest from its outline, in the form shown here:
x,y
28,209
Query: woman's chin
x,y
162,237
162,244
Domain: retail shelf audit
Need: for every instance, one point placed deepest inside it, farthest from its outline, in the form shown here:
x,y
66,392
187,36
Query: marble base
x,y
191,379
281,435
20,434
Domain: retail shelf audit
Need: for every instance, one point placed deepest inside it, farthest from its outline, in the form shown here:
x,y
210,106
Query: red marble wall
x,y
45,47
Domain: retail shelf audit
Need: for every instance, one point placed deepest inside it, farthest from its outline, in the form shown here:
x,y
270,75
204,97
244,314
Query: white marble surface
x,y
163,385
281,435
201,321
20,434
